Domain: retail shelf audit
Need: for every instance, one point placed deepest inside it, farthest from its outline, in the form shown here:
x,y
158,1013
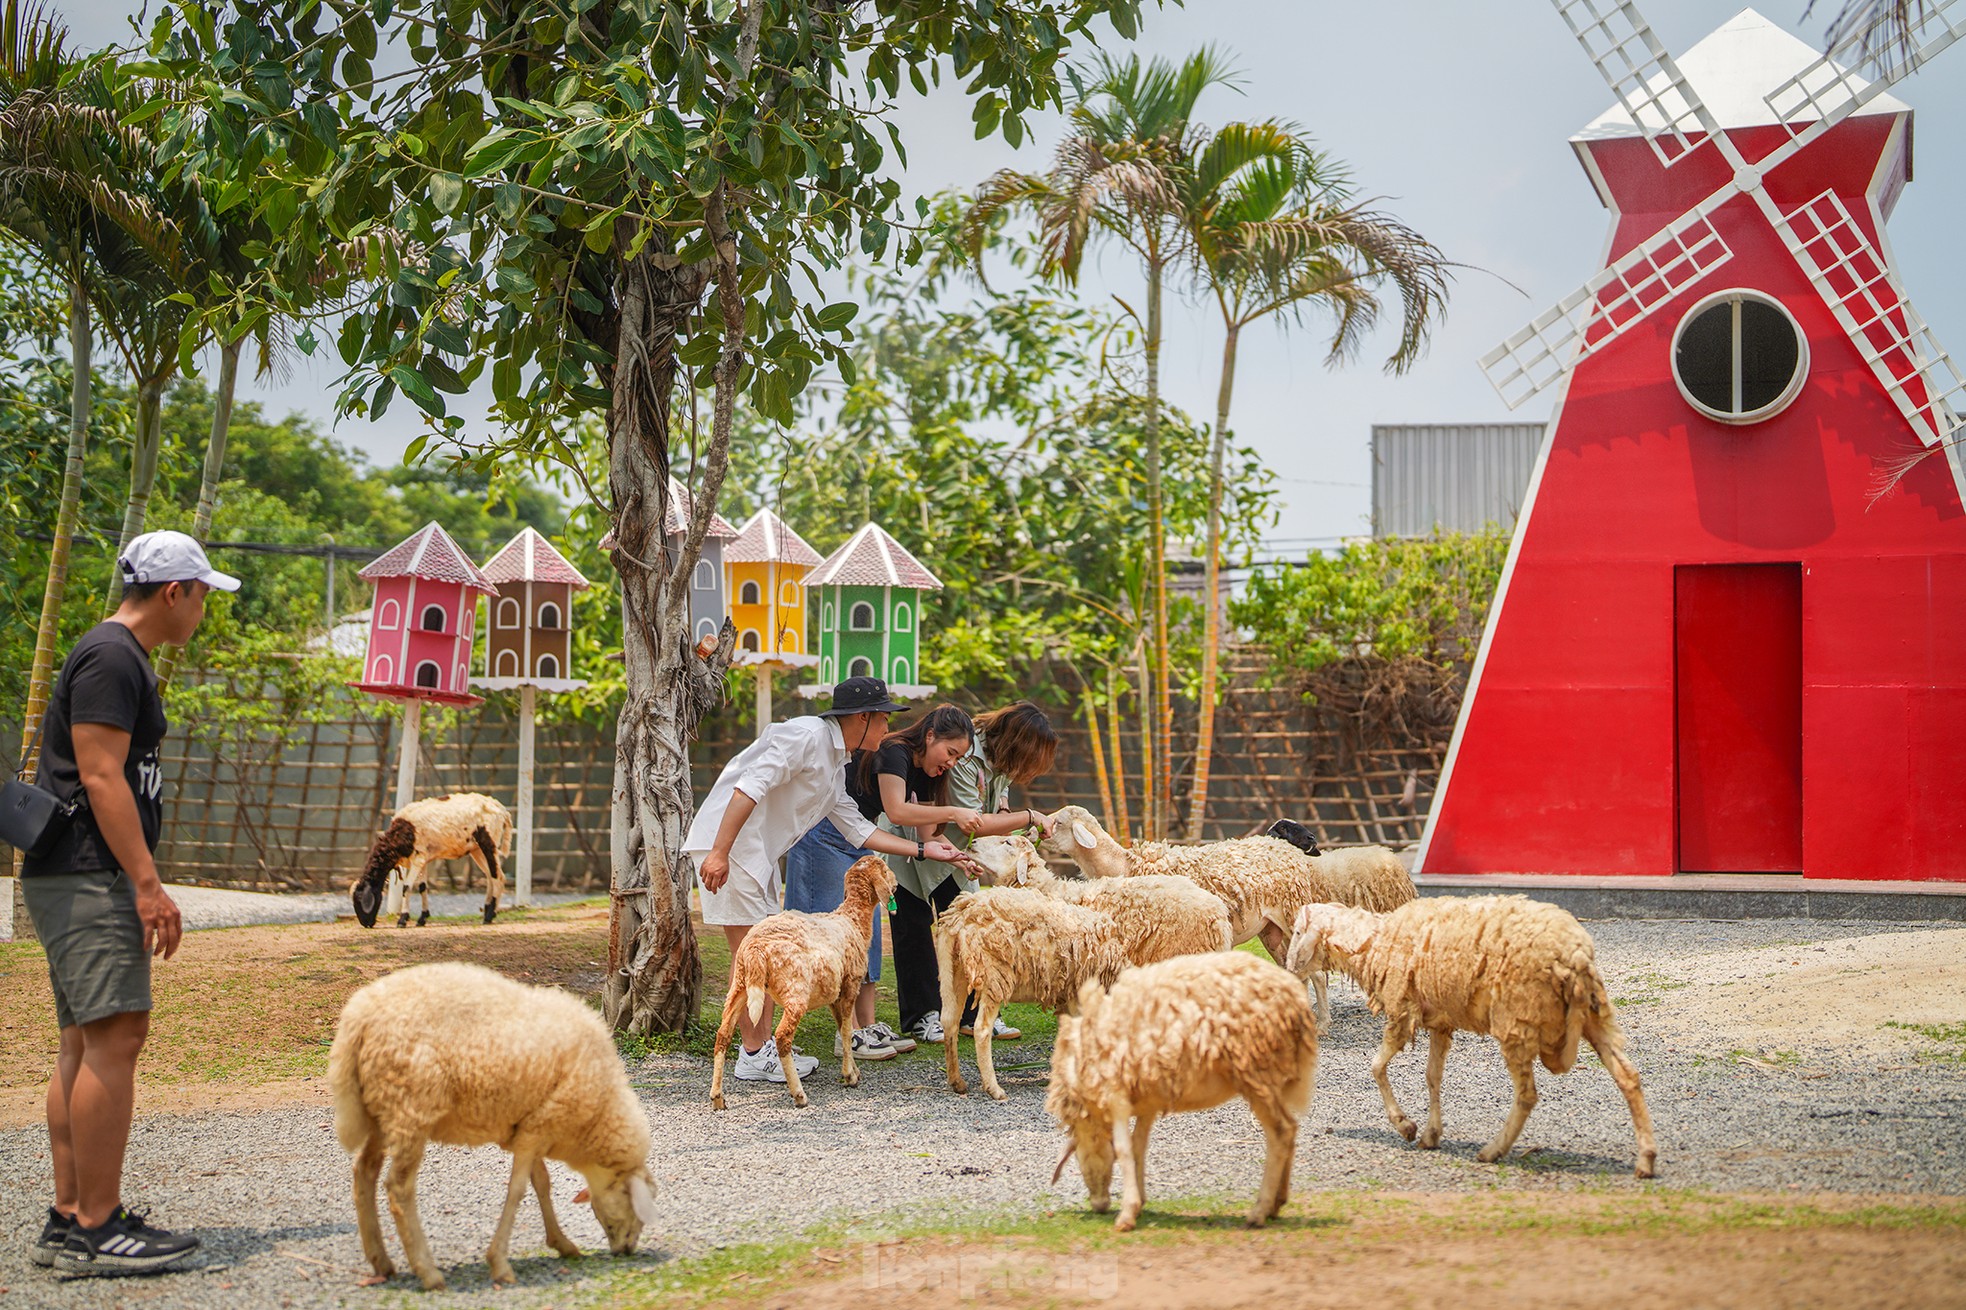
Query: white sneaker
x,y
999,1031
867,1045
928,1028
761,1065
902,1045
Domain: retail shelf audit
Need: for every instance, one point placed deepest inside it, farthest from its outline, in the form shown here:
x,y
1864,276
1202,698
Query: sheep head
x,y
1077,836
367,898
1297,835
623,1202
1007,861
1326,934
876,873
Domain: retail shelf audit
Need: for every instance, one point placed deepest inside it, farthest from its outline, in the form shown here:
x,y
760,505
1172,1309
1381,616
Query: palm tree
x,y
1117,176
1272,232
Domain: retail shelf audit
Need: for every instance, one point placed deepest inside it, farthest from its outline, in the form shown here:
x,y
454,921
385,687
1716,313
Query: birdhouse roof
x,y
530,557
676,521
871,558
429,554
764,539
1732,70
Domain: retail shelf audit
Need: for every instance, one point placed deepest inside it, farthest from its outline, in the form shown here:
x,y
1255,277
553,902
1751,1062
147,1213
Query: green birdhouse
x,y
870,609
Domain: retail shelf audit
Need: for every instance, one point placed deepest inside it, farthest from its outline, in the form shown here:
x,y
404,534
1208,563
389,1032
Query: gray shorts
x,y
88,924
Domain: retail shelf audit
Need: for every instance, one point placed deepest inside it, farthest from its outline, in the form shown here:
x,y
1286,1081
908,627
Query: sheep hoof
x,y
997,1093
1124,1224
717,1102
1256,1219
403,919
423,920
1429,1139
799,1100
567,1250
491,911
850,1079
1407,1129
1648,1165
432,1282
1489,1155
503,1277
959,1087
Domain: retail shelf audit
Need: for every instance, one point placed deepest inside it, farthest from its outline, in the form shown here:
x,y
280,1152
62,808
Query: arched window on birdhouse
x,y
549,667
788,594
549,615
861,667
389,616
706,575
428,674
748,593
508,612
749,641
901,619
901,672
507,665
861,617
432,621
706,628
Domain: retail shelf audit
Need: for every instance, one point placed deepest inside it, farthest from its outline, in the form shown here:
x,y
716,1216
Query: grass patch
x,y
1649,987
1949,1038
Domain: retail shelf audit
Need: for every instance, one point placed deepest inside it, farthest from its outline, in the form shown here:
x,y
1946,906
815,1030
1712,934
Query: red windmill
x,y
1716,646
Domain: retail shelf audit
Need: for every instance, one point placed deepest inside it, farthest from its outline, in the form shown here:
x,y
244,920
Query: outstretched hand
x,y
941,850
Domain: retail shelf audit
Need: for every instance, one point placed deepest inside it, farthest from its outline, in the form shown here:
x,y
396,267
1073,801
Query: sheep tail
x,y
755,998
353,1124
489,847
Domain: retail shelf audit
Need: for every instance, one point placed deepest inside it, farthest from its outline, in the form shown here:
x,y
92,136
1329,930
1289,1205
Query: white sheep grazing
x,y
440,828
804,961
455,1053
1185,1034
1158,918
1520,971
1008,944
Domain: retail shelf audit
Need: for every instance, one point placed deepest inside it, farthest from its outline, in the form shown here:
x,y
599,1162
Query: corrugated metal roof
x,y
1454,476
429,553
530,557
764,539
871,558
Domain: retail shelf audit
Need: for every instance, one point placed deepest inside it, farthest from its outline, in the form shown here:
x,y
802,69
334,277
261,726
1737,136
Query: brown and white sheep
x,y
1186,1034
804,961
1157,918
455,1053
1520,971
440,828
1008,944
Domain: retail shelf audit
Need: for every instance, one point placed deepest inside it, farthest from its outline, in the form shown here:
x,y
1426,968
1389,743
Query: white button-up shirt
x,y
796,772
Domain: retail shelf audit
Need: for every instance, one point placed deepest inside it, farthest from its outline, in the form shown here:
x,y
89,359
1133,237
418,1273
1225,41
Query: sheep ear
x,y
582,1197
641,1195
1084,834
1071,1145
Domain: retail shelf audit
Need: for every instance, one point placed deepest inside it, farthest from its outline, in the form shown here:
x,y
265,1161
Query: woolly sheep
x,y
455,1053
1520,971
439,828
804,961
1009,944
1185,1034
1157,917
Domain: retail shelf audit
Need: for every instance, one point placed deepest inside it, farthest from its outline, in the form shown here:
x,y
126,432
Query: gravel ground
x,y
269,1190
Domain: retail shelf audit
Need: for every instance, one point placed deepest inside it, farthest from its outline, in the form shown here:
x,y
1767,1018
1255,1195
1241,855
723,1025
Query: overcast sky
x,y
1457,113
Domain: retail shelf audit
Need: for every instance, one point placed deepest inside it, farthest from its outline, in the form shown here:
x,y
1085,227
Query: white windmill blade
x,y
1830,89
1857,284
1641,73
1597,313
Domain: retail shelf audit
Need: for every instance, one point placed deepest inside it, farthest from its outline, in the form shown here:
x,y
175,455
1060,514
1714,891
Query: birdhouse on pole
x,y
765,569
420,624
1730,635
707,601
530,634
870,607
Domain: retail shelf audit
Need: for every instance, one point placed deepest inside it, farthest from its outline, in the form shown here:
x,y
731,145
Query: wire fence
x,y
296,810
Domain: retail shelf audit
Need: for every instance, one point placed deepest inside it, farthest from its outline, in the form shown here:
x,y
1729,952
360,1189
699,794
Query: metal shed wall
x,y
1457,476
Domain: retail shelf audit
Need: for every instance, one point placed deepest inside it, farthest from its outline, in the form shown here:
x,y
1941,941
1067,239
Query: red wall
x,y
1565,761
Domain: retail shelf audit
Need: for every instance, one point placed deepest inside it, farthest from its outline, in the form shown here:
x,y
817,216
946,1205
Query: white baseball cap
x,y
171,557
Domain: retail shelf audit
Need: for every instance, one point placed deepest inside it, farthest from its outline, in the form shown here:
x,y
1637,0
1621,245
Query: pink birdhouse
x,y
426,604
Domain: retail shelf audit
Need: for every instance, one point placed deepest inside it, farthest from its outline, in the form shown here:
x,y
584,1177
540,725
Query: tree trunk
x,y
1211,642
201,519
1159,774
41,673
655,975
143,474
1090,708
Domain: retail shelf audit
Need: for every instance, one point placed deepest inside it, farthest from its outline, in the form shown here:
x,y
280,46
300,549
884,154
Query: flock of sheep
x,y
1157,1015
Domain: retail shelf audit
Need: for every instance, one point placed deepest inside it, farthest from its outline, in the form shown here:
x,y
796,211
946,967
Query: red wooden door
x,y
1738,687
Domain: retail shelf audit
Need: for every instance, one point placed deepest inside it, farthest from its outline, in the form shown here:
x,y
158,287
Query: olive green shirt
x,y
973,785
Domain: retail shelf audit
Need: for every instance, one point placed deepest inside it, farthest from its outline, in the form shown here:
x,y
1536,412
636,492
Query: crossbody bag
x,y
32,818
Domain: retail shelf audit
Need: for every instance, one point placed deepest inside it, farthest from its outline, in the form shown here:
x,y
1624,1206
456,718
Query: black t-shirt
x,y
895,759
106,679
867,798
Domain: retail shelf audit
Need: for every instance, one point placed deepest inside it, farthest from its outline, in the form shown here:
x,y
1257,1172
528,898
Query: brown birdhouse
x,y
530,621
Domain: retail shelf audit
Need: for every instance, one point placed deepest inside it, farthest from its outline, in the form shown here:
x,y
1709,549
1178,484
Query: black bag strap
x,y
33,750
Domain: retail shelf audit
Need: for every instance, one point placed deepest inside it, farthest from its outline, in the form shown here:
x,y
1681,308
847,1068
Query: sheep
x,y
441,828
1009,944
1364,877
1185,1034
458,1054
804,961
1520,971
1157,917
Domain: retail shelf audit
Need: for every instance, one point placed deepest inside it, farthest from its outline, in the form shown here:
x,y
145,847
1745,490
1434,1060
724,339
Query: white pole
x,y
405,787
522,878
763,674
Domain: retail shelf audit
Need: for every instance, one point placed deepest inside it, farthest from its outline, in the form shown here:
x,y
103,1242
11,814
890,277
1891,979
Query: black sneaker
x,y
53,1234
125,1244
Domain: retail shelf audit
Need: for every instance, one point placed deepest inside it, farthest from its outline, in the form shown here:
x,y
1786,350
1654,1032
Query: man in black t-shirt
x,y
98,906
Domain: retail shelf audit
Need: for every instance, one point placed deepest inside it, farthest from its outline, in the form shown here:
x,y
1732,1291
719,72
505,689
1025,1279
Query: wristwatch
x,y
921,849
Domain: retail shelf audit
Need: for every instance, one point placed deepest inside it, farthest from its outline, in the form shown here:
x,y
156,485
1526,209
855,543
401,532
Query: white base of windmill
x,y
528,689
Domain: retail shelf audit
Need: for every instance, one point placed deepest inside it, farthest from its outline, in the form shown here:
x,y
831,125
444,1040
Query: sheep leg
x,y
1397,1035
843,1019
733,1002
486,859
788,1027
1130,1198
1276,940
1436,1070
515,1191
955,987
1280,1153
1522,1069
986,1020
368,1169
404,1161
542,1187
1142,1126
423,890
1320,984
1626,1076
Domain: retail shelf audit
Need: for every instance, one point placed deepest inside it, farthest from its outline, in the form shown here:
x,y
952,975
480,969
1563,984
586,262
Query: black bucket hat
x,y
861,696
